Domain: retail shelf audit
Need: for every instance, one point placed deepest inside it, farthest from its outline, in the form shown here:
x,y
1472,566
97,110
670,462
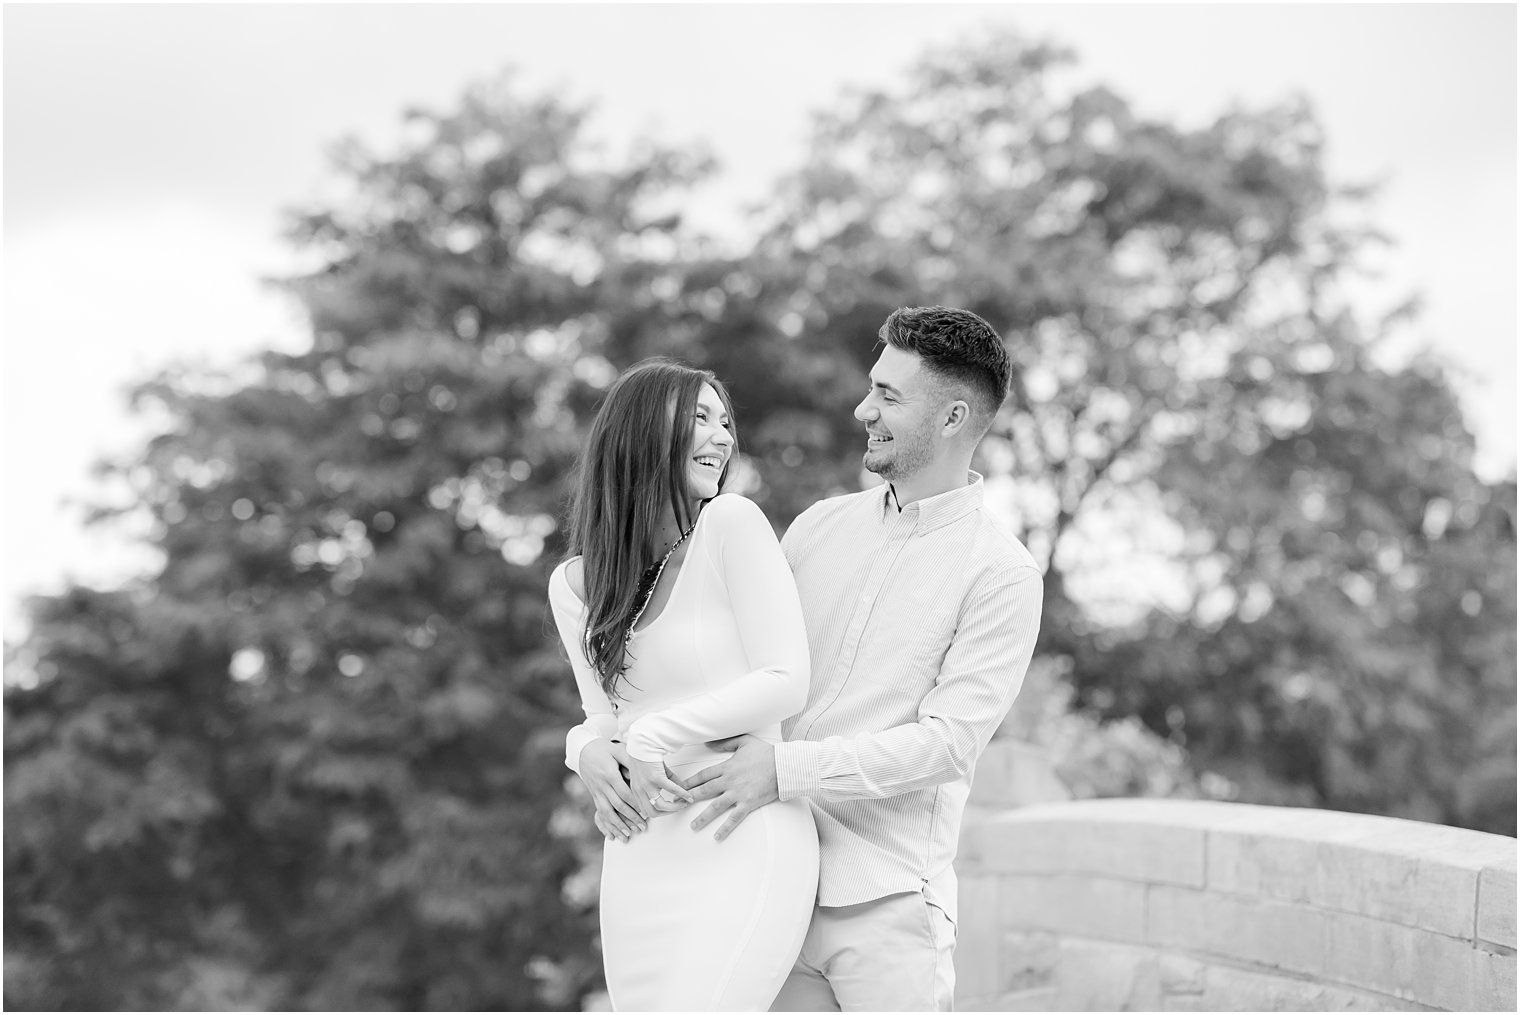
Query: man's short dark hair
x,y
956,344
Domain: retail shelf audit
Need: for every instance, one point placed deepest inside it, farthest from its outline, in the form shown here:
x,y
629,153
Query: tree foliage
x,y
1192,388
333,724
314,762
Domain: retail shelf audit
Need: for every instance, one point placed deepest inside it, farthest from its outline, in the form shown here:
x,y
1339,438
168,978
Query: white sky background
x,y
149,151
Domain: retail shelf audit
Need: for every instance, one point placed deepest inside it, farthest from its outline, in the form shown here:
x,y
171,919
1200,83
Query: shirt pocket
x,y
913,639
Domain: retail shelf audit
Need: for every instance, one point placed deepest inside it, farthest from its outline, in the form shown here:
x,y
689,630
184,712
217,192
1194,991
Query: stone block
x,y
1202,815
1335,949
1043,999
1047,844
1343,870
1493,982
1099,908
1229,988
1264,932
1496,907
977,936
1181,975
1101,976
1189,905
1408,963
1028,960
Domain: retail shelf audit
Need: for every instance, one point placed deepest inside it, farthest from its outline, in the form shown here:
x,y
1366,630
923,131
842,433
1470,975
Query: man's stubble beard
x,y
913,454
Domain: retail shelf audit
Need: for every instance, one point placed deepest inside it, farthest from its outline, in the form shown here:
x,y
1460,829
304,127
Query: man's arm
x,y
978,680
981,673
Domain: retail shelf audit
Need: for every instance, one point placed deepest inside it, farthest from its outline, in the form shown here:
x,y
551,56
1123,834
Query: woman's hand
x,y
618,815
654,788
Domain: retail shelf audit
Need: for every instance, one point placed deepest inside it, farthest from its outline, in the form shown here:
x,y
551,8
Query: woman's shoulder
x,y
733,516
569,577
733,510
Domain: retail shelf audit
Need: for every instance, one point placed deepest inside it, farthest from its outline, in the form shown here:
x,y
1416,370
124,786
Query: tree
x,y
315,761
1192,388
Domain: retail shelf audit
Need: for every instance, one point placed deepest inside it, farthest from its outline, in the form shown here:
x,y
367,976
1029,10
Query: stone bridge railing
x,y
1177,905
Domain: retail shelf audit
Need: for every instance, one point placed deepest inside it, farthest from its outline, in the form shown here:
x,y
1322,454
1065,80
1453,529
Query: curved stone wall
x,y
1179,905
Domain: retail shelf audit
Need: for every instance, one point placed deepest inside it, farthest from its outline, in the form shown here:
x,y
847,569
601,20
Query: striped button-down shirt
x,y
920,626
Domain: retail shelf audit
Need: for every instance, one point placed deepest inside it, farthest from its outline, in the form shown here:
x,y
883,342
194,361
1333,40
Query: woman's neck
x,y
667,531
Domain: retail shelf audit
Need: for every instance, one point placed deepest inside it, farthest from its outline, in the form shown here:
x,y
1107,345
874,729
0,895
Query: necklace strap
x,y
647,582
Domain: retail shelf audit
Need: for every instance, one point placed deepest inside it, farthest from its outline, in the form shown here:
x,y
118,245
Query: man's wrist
x,y
796,769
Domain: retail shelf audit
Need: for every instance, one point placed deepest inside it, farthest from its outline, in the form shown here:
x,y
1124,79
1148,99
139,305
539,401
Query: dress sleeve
x,y
569,617
742,547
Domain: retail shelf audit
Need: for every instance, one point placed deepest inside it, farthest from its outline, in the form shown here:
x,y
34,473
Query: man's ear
x,y
957,415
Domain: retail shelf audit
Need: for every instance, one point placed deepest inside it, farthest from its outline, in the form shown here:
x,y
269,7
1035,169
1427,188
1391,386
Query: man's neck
x,y
930,481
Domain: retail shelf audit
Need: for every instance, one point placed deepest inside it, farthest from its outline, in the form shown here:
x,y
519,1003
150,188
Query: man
x,y
922,613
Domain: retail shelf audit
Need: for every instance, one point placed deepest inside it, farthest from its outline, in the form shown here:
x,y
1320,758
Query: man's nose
x,y
865,411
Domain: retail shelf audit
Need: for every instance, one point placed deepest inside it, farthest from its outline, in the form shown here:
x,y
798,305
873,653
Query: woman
x,y
683,626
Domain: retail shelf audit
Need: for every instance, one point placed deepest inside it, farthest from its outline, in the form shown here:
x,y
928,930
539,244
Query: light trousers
x,y
895,953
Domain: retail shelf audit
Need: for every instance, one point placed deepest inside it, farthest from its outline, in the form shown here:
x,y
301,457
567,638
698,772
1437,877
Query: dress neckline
x,y
675,585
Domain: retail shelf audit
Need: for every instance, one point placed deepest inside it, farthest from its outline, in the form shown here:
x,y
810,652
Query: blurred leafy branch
x,y
314,762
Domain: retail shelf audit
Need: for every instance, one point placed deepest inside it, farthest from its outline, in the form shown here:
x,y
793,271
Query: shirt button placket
x,y
850,644
880,569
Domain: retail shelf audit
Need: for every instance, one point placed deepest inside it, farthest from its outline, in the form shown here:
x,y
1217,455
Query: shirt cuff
x,y
797,769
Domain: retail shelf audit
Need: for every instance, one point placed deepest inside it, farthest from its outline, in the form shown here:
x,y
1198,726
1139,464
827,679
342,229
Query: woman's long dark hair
x,y
634,466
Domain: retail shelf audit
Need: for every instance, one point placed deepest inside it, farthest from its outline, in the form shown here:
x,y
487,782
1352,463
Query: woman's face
x,y
711,444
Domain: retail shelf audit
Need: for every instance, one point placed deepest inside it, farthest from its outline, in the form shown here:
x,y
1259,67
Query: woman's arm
x,y
589,748
569,617
743,547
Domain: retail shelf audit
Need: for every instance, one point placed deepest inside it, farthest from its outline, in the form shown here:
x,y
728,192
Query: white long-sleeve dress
x,y
689,923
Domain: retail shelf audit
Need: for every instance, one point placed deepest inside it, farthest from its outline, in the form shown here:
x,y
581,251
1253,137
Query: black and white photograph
x,y
759,507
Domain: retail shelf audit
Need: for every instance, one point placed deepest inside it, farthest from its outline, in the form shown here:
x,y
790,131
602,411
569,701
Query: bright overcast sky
x,y
149,151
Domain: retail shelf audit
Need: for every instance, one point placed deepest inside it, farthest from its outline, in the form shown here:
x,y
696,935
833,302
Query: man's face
x,y
901,414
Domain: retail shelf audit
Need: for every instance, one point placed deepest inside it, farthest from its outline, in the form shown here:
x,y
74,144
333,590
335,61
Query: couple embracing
x,y
780,738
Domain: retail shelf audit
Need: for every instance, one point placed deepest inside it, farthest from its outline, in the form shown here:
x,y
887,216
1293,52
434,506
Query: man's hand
x,y
743,784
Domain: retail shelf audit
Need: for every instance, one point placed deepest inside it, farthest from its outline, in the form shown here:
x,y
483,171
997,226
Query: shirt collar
x,y
941,509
